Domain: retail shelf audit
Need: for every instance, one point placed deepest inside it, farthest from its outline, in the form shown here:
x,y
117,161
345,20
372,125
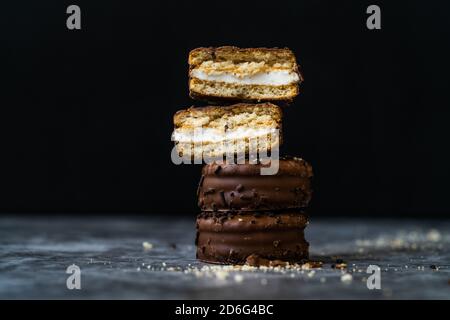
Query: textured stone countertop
x,y
35,251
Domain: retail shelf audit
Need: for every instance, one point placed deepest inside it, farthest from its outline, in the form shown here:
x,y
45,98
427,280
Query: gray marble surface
x,y
414,257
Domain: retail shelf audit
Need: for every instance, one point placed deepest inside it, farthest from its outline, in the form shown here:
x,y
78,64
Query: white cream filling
x,y
271,78
214,135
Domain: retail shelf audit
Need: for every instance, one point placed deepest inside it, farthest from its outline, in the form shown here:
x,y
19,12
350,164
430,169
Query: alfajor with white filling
x,y
246,74
218,131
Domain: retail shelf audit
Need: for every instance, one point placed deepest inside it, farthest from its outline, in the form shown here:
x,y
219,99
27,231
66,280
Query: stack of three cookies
x,y
246,217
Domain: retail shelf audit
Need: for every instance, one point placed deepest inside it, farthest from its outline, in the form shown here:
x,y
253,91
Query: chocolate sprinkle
x,y
245,197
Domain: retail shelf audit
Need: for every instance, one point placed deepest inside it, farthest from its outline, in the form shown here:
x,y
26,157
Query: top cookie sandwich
x,y
250,74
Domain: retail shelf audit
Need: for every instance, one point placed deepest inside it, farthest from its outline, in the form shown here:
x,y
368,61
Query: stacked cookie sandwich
x,y
247,214
255,74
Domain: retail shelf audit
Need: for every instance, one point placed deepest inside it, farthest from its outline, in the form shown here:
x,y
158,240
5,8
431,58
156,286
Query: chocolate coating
x,y
232,238
242,187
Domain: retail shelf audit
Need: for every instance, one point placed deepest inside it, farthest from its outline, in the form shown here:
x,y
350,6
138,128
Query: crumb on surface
x,y
238,278
433,235
340,266
147,245
346,277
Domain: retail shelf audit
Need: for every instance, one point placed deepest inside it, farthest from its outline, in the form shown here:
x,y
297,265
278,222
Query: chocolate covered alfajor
x,y
241,187
246,214
231,238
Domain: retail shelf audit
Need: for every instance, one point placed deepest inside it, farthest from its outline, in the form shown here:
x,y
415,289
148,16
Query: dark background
x,y
86,116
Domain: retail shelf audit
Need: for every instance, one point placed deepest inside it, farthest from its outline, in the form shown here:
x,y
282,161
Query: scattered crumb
x,y
312,265
433,235
246,268
238,278
164,264
409,240
221,275
311,273
147,245
339,266
346,277
255,261
323,280
264,282
138,269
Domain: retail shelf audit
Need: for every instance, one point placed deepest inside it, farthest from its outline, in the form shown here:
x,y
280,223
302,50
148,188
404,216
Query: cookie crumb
x,y
147,245
339,266
433,235
311,274
238,278
346,277
312,265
